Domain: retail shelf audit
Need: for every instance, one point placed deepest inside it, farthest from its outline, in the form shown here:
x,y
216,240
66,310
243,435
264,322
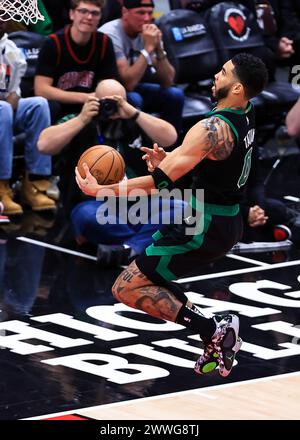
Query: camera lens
x,y
108,107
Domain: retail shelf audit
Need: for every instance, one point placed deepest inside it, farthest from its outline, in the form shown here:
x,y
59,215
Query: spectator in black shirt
x,y
73,61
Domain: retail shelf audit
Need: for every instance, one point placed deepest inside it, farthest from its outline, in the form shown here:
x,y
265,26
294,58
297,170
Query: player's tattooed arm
x,y
219,138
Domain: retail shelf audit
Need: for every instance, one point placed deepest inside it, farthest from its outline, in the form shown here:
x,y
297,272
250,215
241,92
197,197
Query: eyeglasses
x,y
83,11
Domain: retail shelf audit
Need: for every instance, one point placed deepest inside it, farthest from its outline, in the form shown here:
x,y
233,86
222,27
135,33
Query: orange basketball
x,y
105,163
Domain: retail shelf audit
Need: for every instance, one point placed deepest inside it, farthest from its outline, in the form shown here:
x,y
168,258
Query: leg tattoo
x,y
134,289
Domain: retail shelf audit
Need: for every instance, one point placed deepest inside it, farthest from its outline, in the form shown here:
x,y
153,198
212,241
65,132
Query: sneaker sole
x,y
209,366
213,363
224,372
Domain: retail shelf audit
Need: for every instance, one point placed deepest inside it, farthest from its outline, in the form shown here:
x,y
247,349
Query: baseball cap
x,y
131,4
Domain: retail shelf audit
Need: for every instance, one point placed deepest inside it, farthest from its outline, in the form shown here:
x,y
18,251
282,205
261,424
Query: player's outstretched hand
x,y
153,156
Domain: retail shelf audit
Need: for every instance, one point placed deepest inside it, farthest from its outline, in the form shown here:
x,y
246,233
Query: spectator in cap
x,y
142,62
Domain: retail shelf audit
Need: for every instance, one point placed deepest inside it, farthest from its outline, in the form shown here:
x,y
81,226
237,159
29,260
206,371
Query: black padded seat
x,y
30,43
195,109
276,100
284,93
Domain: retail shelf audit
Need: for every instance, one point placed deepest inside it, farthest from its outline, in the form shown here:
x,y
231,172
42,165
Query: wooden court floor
x,y
273,398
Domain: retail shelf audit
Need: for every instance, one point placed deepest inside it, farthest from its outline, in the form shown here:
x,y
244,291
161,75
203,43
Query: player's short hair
x,y
251,72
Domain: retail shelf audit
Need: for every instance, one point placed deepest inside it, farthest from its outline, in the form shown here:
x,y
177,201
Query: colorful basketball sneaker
x,y
226,342
222,348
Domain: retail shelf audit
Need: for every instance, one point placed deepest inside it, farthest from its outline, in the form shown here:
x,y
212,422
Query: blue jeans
x,y
31,117
138,237
166,101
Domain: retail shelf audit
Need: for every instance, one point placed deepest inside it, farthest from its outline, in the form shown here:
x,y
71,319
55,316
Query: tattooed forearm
x,y
219,142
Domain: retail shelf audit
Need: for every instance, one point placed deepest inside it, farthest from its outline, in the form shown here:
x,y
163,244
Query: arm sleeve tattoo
x,y
219,139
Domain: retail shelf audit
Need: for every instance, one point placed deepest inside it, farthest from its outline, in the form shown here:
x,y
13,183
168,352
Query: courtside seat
x,y
285,94
111,10
195,109
196,106
261,102
276,100
192,52
271,107
30,44
193,5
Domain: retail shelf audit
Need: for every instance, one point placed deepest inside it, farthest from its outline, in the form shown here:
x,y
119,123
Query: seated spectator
x,y
293,120
279,42
143,63
290,19
126,129
73,60
266,218
29,115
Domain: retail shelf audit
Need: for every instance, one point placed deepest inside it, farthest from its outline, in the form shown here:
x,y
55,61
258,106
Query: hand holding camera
x,y
115,107
89,110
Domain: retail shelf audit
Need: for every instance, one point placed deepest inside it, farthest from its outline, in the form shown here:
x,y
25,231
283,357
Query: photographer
x,y
106,118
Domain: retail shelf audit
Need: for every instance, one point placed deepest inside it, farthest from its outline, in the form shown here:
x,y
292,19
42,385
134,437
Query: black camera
x,y
108,107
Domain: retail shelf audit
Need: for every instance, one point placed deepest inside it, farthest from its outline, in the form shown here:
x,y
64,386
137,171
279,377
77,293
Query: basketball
x,y
105,163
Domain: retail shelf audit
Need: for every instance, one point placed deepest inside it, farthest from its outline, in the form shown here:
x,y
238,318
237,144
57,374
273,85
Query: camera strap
x,y
99,135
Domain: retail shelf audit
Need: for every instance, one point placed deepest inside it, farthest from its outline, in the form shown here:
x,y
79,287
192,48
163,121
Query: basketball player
x,y
218,150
